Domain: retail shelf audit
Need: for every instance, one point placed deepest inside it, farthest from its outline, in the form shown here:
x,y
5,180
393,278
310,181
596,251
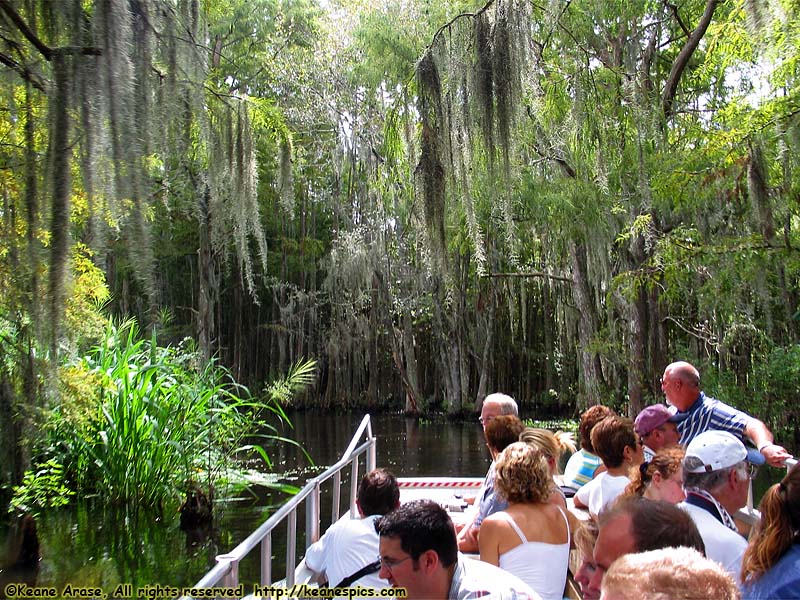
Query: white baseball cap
x,y
717,450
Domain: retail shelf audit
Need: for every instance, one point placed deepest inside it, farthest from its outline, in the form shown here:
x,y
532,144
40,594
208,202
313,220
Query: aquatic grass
x,y
569,425
163,421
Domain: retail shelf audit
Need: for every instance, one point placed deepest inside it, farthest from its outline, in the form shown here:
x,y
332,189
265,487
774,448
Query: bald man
x,y
696,413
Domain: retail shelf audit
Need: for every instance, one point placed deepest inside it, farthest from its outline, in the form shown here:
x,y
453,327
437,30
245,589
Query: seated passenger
x,y
584,465
531,537
655,429
771,564
494,405
716,477
661,478
351,545
552,445
418,552
500,432
668,574
635,524
618,447
585,538
695,413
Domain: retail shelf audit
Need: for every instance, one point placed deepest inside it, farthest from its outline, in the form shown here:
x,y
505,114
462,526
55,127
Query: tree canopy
x,y
434,200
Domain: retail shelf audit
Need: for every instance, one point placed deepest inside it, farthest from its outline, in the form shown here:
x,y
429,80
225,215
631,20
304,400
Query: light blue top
x,y
580,469
781,581
490,502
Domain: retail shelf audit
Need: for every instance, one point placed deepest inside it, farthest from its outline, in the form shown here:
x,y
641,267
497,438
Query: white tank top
x,y
542,566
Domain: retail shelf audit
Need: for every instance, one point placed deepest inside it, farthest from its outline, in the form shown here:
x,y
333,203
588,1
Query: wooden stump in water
x,y
197,509
23,543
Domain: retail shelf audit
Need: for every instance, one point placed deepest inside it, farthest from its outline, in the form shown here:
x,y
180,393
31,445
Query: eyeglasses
x,y
391,563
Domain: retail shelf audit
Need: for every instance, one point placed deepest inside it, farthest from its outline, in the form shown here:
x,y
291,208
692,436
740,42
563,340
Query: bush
x,y
144,422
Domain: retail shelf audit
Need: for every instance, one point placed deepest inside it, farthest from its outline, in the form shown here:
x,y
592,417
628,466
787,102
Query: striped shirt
x,y
709,413
580,469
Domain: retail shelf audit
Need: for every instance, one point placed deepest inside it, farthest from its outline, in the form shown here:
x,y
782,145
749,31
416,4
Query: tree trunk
x,y
208,291
592,380
60,152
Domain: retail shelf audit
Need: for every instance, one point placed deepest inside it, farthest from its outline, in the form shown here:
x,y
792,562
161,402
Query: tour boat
x,y
447,491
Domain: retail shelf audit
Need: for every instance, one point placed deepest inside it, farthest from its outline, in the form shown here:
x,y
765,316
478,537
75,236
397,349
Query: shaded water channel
x,y
90,544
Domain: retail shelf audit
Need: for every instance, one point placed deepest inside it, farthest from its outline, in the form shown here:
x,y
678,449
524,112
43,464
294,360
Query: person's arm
x,y
489,541
316,557
581,497
468,538
762,438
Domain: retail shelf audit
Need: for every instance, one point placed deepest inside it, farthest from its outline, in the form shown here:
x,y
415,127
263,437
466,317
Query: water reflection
x,y
94,545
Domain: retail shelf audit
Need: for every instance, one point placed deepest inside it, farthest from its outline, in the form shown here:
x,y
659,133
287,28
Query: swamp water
x,y
90,544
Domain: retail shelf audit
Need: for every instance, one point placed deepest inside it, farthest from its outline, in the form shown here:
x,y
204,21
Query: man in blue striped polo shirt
x,y
695,413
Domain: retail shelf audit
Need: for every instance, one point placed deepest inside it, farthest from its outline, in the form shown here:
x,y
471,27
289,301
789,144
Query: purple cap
x,y
651,418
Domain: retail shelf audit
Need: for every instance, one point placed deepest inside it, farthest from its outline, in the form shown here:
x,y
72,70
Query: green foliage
x,y
44,488
281,391
150,419
569,425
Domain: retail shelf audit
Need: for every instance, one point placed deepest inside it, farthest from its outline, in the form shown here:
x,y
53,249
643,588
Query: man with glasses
x,y
494,405
418,552
696,412
717,469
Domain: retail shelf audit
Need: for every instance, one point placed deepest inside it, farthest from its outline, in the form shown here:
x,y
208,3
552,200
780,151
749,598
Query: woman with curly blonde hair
x,y
771,563
531,537
661,478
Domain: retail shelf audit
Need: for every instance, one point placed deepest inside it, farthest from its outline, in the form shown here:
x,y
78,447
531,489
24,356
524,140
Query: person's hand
x,y
775,454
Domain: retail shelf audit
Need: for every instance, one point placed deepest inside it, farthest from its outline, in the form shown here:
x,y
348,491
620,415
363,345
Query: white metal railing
x,y
225,574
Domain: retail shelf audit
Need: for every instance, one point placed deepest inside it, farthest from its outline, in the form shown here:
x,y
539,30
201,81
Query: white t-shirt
x,y
722,544
347,546
601,491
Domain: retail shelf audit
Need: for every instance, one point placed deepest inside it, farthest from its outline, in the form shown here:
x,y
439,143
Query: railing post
x,y
266,559
291,547
372,461
231,578
336,501
353,488
312,515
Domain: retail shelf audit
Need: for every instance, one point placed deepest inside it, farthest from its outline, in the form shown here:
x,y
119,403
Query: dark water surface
x,y
92,545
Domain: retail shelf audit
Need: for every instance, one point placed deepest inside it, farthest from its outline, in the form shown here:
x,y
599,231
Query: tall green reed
x,y
160,420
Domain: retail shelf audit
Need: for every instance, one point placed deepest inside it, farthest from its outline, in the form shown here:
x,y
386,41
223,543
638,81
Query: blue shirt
x,y
708,413
490,502
781,581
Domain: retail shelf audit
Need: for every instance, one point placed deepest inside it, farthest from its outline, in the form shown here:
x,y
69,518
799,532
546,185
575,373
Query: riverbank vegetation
x,y
433,200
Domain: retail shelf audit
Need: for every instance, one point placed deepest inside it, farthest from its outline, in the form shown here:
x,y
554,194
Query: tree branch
x,y
12,14
44,49
23,72
671,87
677,16
531,274
447,25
